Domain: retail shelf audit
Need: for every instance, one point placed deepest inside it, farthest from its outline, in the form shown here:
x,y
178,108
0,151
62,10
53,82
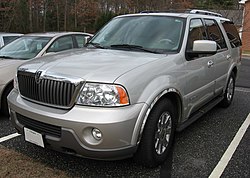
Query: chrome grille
x,y
48,91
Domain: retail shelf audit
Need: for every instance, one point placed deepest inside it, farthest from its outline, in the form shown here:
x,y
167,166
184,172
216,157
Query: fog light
x,y
97,134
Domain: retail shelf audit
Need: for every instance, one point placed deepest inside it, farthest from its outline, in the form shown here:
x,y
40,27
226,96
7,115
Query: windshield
x,y
155,33
25,47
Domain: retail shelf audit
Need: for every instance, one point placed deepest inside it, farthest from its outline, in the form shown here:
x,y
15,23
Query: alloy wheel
x,y
163,133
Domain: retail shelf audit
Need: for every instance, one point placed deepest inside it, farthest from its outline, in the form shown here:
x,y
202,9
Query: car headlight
x,y
95,94
15,82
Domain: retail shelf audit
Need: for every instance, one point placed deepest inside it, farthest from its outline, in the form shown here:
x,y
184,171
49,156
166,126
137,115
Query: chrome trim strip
x,y
54,76
26,70
150,108
61,78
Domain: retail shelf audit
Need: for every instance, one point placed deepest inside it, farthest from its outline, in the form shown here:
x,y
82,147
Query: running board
x,y
196,115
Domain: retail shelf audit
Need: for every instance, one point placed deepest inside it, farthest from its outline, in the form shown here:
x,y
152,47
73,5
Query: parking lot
x,y
197,150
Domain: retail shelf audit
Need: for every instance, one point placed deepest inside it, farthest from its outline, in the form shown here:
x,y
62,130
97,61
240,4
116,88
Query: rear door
x,y
221,60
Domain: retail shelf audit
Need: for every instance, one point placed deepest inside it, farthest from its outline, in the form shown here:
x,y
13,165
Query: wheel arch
x,y
176,99
235,71
7,86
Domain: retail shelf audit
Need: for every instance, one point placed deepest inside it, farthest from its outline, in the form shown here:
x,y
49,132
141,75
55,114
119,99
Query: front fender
x,y
150,99
159,86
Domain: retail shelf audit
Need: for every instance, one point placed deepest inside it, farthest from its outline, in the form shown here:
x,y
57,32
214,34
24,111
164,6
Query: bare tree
x,y
65,15
30,16
45,4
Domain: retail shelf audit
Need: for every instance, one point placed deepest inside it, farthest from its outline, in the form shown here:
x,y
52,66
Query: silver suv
x,y
139,79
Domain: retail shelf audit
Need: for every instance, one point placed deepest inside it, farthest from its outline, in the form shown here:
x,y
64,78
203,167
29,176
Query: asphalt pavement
x,y
196,152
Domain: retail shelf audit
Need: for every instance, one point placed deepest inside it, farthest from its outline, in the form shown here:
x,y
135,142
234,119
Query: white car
x,y
6,38
31,46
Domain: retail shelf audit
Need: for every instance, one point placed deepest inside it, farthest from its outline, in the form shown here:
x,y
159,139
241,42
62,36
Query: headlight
x,y
15,82
95,94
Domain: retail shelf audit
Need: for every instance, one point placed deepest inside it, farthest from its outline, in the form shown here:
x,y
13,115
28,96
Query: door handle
x,y
210,64
229,56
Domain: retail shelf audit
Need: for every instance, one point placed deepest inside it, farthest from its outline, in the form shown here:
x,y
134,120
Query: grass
x,y
15,164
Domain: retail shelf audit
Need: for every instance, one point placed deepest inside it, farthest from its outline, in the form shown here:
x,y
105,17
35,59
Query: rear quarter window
x,y
232,34
80,39
215,34
8,39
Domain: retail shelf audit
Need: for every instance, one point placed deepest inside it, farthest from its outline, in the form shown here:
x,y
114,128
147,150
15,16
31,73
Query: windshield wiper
x,y
137,47
97,45
6,57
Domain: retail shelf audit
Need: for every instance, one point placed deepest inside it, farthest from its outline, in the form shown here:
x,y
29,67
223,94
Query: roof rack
x,y
196,11
164,11
191,11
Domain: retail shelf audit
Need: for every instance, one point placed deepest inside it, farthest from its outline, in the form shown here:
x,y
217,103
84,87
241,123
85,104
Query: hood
x,y
95,65
8,69
10,63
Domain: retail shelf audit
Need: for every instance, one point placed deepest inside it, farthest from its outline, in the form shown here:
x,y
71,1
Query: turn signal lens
x,y
122,95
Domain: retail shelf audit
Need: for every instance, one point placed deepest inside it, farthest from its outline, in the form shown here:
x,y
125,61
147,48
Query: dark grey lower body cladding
x,y
38,126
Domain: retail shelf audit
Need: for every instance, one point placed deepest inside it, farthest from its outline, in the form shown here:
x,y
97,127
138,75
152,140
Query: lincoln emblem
x,y
37,77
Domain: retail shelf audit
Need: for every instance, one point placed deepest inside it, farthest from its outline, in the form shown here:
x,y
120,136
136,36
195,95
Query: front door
x,y
200,78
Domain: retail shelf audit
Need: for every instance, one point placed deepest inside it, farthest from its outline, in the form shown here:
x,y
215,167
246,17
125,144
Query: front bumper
x,y
120,127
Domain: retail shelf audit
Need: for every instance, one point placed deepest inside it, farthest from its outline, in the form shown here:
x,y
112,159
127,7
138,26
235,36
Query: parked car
x,y
6,38
31,46
141,78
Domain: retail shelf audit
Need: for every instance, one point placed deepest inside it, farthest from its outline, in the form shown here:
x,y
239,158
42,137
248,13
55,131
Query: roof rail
x,y
191,11
165,11
196,11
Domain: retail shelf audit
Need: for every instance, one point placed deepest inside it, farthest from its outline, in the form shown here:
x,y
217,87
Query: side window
x,y
80,39
8,39
215,34
196,32
232,34
61,44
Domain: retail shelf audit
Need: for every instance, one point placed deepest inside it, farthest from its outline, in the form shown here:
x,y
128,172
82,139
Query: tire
x,y
157,137
4,104
229,92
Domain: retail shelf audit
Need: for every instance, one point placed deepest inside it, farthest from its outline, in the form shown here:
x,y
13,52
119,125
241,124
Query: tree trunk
x,y
44,15
75,16
30,16
57,16
65,15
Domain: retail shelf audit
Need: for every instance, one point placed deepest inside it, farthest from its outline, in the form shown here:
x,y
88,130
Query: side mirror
x,y
204,47
86,39
49,53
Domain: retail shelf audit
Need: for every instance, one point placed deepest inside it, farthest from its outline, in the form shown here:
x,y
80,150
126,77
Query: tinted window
x,y
8,39
196,32
232,34
80,39
215,34
61,44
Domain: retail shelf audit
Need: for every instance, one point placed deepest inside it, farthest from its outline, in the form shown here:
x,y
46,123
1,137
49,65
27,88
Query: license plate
x,y
33,137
